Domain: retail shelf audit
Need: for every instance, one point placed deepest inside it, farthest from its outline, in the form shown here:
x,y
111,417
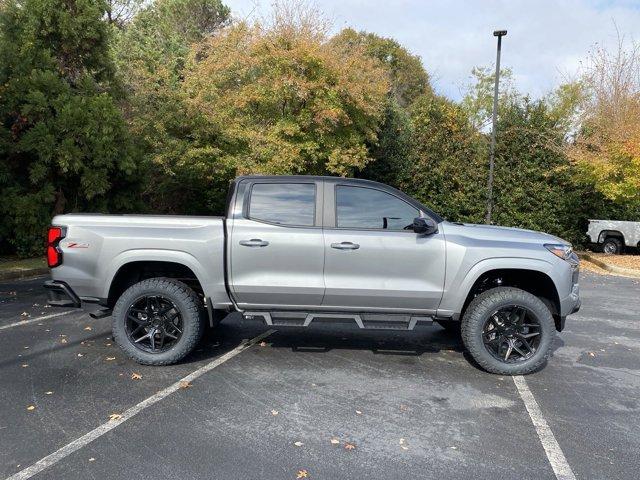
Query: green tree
x,y
63,140
409,80
151,53
446,169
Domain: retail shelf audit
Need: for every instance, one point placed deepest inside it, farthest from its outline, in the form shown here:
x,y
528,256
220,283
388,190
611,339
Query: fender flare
x,y
151,255
453,301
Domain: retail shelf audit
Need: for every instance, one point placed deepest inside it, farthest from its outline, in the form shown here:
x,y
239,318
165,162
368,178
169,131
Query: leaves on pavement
x,y
31,407
302,474
184,384
349,446
135,376
115,416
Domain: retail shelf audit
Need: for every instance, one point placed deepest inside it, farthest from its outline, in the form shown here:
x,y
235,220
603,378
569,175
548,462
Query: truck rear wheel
x,y
508,331
158,321
612,246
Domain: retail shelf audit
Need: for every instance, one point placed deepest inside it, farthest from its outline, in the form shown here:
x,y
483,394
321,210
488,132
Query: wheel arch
x,y
132,268
534,276
604,234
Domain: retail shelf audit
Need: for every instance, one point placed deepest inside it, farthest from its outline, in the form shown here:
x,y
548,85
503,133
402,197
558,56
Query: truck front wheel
x,y
158,321
508,331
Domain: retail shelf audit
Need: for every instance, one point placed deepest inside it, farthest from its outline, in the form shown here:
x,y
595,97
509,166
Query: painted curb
x,y
610,268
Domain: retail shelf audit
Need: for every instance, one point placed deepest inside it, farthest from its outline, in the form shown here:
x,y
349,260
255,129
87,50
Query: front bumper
x,y
61,295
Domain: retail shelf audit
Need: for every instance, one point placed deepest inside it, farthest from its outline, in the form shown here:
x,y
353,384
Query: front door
x,y
276,248
373,260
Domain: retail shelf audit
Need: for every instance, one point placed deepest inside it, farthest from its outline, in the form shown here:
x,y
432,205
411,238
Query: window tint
x,y
359,207
283,203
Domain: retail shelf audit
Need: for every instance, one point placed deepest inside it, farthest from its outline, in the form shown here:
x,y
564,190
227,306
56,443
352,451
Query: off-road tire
x,y
488,302
612,246
187,302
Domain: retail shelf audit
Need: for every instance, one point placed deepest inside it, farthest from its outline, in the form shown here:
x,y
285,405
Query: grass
x,y
15,264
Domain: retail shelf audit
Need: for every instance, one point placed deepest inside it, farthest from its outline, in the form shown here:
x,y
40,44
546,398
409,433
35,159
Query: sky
x,y
546,45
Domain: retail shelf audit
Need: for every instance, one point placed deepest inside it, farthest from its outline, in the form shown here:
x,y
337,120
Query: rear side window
x,y
361,207
283,203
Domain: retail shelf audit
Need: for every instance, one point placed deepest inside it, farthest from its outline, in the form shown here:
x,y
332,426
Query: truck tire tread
x,y
475,317
193,313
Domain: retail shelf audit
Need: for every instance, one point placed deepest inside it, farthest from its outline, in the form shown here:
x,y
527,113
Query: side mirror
x,y
424,226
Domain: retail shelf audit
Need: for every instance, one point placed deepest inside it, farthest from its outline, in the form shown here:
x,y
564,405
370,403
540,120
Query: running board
x,y
370,321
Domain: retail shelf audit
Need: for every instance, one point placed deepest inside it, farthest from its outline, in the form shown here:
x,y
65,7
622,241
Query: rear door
x,y
373,260
276,247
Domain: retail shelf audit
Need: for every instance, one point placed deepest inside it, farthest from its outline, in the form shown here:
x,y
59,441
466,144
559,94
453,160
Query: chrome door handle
x,y
254,242
345,246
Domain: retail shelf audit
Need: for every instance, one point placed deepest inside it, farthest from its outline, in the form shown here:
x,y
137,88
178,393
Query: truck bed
x,y
95,246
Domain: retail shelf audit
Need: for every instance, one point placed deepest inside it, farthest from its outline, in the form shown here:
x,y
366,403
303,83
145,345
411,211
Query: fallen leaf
x,y
404,447
80,355
24,365
36,304
592,354
298,444
454,448
26,348
263,344
335,441
24,314
135,376
88,328
403,408
403,444
115,416
358,412
302,474
349,446
184,384
274,412
92,459
48,393
31,407
64,340
110,358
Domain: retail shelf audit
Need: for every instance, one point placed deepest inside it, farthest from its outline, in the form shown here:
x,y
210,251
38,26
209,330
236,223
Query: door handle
x,y
345,246
254,242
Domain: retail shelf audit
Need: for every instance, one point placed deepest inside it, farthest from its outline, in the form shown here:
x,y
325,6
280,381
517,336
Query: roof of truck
x,y
306,177
360,181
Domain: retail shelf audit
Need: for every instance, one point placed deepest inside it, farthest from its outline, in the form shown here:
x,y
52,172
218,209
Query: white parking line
x,y
551,447
33,320
97,432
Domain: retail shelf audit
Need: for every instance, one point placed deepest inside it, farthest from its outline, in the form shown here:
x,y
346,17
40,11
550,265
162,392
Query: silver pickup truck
x,y
295,249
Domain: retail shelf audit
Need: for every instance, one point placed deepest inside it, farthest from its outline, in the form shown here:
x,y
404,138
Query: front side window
x,y
362,207
283,203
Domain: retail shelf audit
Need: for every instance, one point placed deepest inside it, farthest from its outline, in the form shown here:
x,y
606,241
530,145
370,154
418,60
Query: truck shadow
x,y
325,337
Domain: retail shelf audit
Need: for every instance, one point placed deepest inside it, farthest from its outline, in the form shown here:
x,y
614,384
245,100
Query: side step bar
x,y
370,321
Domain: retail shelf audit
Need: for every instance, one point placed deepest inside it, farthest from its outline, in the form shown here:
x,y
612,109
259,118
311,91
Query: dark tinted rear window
x,y
283,203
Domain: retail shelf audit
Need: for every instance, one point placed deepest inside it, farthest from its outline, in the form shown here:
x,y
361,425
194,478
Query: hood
x,y
494,232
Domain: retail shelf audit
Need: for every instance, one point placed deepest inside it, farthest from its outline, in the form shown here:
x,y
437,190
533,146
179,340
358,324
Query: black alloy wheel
x,y
512,334
153,324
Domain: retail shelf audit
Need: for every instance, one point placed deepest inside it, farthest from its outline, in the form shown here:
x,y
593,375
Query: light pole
x,y
492,148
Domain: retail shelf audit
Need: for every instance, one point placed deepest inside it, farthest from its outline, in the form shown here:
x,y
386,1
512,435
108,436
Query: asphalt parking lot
x,y
318,403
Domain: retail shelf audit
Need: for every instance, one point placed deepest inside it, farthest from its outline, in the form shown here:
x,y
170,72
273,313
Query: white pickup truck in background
x,y
612,236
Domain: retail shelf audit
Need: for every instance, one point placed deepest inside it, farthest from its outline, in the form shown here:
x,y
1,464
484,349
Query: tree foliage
x,y
63,140
607,144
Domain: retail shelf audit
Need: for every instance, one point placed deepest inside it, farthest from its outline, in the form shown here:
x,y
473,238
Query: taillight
x,y
54,254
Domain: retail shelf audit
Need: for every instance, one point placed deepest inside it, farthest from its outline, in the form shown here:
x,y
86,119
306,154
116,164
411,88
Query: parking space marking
x,y
33,320
97,432
551,447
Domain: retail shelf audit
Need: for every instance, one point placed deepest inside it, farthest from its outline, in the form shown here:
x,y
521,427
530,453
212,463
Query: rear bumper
x,y
61,295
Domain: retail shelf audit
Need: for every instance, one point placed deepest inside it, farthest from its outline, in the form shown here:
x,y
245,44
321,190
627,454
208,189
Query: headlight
x,y
560,250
